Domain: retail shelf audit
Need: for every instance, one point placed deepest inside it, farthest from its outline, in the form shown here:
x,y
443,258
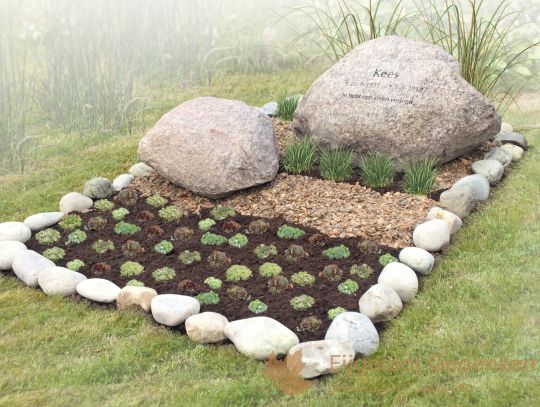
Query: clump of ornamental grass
x,y
48,236
131,268
127,197
239,240
300,156
71,222
238,293
188,257
206,224
125,228
119,214
295,253
76,237
270,269
103,205
386,259
289,232
171,213
102,246
54,253
334,312
258,227
208,298
132,248
331,273
157,201
362,271
348,287
96,223
257,307
222,212
287,106
302,302
164,247
135,283
336,164
419,177
303,278
213,282
212,239
278,284
182,233
75,265
378,170
337,253
164,274
310,324
263,251
218,259
238,273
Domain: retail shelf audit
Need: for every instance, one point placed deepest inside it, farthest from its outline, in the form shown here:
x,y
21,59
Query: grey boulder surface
x,y
212,147
397,96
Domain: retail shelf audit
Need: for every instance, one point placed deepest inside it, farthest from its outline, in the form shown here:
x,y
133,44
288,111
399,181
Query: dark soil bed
x,y
324,292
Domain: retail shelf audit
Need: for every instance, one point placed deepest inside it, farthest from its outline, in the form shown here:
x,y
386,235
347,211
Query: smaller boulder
x,y
318,358
380,303
98,188
8,250
14,231
173,309
356,329
499,154
141,170
458,201
478,184
491,169
515,151
514,138
270,108
453,221
59,281
122,181
418,259
43,220
27,264
131,295
206,327
506,128
99,290
75,202
401,278
432,235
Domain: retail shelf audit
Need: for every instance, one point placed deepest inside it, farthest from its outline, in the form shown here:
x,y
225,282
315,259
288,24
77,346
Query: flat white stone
x,y
141,170
8,250
75,202
173,309
418,259
122,181
478,184
432,235
319,357
59,281
506,128
99,290
260,337
15,231
27,264
357,329
453,221
206,327
491,169
401,278
515,151
43,220
139,296
380,303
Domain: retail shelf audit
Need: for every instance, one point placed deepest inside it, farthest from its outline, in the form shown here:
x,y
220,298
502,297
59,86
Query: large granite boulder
x,y
212,146
398,96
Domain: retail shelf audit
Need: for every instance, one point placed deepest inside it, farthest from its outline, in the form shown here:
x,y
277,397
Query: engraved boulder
x,y
397,96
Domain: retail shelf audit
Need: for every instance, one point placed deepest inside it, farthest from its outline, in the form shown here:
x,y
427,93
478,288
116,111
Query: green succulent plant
x,y
363,271
135,283
289,232
337,253
239,240
386,259
48,236
131,269
302,302
238,293
206,224
257,307
310,324
188,257
164,247
331,273
76,237
71,222
211,239
97,223
348,287
102,246
208,298
238,273
164,274
54,253
157,201
124,228
334,312
258,227
213,282
278,284
302,278
221,212
119,214
368,247
171,213
182,233
132,248
103,205
270,269
218,259
295,253
75,265
263,251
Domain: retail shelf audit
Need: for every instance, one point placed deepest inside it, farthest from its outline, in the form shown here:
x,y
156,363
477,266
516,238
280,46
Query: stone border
x,y
349,334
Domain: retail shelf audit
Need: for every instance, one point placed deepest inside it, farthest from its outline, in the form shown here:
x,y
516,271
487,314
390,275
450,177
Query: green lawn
x,y
480,303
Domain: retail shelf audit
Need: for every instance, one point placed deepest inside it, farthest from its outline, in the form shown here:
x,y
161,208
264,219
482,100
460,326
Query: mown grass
x,y
480,302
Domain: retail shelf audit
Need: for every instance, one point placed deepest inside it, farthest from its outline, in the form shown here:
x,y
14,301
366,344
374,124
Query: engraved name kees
x,y
388,87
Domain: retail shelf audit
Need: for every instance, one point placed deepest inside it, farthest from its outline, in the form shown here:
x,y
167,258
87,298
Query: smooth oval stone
x,y
27,264
357,329
270,108
43,220
8,250
14,231
59,281
514,138
432,235
502,156
418,259
98,289
122,181
506,128
515,151
453,221
75,202
131,295
380,303
401,278
141,170
98,188
173,309
491,169
206,327
316,358
478,184
458,201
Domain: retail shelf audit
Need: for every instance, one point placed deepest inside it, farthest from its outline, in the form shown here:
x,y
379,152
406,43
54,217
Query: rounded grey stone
x,y
499,154
27,265
59,281
318,358
479,186
418,259
432,235
173,309
75,202
514,138
99,290
380,303
459,201
357,329
491,169
98,188
401,278
141,170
